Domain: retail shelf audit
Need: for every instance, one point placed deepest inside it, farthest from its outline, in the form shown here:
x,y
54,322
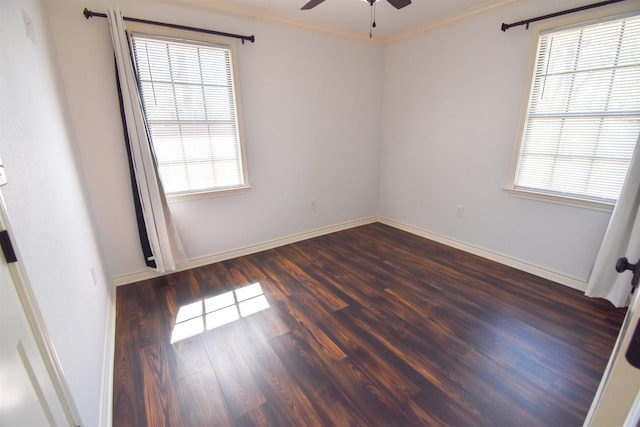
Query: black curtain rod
x,y
526,22
89,14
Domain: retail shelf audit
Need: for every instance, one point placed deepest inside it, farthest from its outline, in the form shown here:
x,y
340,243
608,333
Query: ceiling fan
x,y
398,4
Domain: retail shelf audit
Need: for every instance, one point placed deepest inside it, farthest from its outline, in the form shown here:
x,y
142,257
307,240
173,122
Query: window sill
x,y
561,200
175,198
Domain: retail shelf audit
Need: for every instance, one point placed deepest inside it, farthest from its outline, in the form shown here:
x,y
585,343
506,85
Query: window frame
x,y
196,37
541,195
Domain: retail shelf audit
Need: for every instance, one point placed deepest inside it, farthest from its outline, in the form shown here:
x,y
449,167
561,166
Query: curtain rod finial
x,y
503,27
87,13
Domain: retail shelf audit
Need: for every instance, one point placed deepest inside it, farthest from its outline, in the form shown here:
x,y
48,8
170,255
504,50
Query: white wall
x,y
452,109
312,112
409,131
46,206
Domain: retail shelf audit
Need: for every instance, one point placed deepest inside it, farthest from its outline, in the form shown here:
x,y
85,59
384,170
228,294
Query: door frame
x,y
627,327
37,325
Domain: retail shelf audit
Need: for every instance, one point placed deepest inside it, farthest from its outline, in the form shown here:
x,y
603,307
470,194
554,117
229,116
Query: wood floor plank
x,y
191,357
284,393
201,400
369,326
329,401
328,299
262,416
127,382
240,388
437,409
159,388
153,314
364,353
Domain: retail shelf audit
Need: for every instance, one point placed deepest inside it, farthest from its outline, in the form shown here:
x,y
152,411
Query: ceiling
x,y
352,17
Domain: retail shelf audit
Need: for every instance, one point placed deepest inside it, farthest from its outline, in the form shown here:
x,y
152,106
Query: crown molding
x,y
260,15
493,4
224,7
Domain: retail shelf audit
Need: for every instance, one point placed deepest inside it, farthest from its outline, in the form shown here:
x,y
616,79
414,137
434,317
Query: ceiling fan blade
x,y
311,4
399,4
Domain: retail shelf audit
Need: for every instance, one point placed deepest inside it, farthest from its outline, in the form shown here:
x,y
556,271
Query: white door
x,y
28,394
615,404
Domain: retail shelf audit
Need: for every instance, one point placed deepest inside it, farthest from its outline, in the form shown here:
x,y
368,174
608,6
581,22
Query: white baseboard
x,y
106,398
247,250
536,270
561,278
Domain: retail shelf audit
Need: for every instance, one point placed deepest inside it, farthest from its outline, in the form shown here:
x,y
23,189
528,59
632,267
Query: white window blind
x,y
188,96
583,119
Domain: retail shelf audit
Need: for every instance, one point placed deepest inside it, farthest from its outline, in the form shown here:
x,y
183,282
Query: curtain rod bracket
x,y
89,14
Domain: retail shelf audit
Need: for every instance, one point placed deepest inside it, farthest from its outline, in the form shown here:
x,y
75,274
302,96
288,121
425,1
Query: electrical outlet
x,y
460,211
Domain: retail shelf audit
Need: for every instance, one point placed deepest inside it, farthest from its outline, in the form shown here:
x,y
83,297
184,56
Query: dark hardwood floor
x,y
366,327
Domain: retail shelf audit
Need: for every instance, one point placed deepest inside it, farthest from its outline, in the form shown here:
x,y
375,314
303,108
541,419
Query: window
x,y
189,99
583,118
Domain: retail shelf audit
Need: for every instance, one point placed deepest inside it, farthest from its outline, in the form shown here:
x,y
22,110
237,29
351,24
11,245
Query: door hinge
x,y
7,247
